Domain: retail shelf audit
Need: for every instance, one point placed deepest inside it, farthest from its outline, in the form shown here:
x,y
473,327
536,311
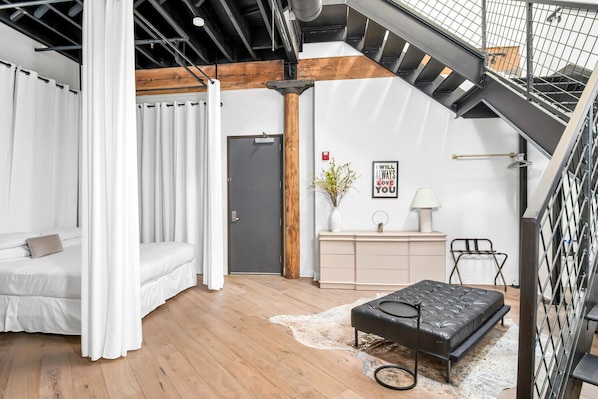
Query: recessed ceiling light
x,y
198,21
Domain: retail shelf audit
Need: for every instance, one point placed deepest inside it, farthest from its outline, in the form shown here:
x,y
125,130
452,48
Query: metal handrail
x,y
557,275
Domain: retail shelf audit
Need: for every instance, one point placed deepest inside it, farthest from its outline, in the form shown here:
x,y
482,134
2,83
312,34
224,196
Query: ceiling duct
x,y
306,10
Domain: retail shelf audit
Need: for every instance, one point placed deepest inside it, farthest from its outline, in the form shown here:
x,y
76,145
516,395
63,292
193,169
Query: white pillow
x,y
14,253
12,240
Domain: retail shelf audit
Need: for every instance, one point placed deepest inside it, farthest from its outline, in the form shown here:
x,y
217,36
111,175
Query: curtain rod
x,y
167,104
510,155
177,51
26,72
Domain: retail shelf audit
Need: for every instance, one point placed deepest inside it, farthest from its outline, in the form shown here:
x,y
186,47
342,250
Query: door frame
x,y
282,197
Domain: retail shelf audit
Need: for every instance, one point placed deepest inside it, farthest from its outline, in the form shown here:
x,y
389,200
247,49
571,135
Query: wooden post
x,y
291,89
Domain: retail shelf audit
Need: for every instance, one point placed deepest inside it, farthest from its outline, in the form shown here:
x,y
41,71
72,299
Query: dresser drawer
x,y
337,247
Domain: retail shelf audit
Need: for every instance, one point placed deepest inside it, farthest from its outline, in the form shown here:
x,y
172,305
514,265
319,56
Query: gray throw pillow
x,y
44,245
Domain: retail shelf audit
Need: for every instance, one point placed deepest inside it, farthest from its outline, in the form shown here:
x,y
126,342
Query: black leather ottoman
x,y
453,318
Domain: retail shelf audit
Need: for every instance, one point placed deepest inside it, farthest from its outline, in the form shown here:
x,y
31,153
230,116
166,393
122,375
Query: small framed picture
x,y
385,179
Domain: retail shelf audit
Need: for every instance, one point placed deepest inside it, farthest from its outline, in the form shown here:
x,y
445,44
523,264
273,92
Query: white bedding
x,y
43,294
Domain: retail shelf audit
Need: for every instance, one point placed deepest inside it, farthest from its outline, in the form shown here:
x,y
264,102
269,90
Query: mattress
x,y
43,294
59,275
449,315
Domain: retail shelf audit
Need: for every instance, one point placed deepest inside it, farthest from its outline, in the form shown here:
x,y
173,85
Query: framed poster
x,y
385,179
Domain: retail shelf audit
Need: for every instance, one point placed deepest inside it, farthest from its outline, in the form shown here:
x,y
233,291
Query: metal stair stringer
x,y
468,61
527,118
487,97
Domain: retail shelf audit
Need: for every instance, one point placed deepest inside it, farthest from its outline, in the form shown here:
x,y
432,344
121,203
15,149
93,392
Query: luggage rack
x,y
477,247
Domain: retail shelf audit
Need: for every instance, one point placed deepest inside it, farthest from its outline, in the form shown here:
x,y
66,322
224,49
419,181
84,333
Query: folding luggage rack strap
x,y
477,247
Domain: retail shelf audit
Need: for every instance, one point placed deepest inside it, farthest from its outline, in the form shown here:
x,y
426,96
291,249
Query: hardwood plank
x,y
7,354
209,344
88,378
56,380
24,374
123,383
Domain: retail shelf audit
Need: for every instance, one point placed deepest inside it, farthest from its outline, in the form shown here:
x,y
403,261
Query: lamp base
x,y
425,220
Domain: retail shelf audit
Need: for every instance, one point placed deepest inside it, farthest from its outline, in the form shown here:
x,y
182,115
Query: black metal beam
x,y
530,120
239,24
31,3
290,46
267,22
192,44
457,55
212,31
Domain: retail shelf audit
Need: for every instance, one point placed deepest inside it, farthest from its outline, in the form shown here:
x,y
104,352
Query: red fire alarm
x,y
325,155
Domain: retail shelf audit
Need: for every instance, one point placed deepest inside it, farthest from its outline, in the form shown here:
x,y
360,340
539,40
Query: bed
x,y
453,318
44,294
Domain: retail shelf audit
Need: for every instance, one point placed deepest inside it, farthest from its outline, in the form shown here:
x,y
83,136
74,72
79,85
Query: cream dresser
x,y
380,261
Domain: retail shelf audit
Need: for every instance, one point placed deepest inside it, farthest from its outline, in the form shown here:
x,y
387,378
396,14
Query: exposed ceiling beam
x,y
193,44
239,24
38,20
149,56
267,22
67,19
30,3
41,10
212,31
290,46
138,42
178,55
76,9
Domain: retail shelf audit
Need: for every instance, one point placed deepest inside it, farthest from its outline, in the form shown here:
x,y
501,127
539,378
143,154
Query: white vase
x,y
334,221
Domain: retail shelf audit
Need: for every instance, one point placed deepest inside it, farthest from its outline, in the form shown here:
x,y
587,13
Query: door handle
x,y
233,217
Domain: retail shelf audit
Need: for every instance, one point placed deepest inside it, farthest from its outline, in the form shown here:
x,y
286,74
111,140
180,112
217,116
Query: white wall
x,y
363,120
385,119
20,50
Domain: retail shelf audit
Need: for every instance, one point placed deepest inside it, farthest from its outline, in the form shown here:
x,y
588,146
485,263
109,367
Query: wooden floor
x,y
204,344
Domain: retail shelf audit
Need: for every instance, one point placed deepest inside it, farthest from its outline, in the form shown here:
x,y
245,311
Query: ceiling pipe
x,y
306,10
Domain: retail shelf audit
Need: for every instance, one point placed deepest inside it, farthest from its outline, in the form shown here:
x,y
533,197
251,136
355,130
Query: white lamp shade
x,y
425,198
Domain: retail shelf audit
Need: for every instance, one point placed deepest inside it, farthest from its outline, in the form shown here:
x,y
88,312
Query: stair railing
x,y
544,49
559,241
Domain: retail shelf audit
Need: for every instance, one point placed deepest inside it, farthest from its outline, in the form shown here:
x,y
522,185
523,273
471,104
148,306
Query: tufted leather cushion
x,y
449,315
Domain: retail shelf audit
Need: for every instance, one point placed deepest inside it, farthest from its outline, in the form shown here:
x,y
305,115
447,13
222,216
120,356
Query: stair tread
x,y
587,369
593,314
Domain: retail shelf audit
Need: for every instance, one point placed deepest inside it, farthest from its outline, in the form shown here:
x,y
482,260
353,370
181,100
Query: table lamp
x,y
424,200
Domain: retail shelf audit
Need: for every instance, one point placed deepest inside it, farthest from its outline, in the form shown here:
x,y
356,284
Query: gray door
x,y
255,205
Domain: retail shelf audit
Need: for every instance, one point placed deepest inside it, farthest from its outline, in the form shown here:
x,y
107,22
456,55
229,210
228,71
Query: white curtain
x,y
110,291
7,84
39,152
181,179
171,147
213,206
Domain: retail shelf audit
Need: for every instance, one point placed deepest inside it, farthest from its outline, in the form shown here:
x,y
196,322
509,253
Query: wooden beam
x,y
239,76
291,185
291,89
252,75
334,68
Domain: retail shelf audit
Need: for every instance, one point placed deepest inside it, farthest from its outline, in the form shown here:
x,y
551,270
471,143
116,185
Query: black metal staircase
x,y
587,368
445,68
